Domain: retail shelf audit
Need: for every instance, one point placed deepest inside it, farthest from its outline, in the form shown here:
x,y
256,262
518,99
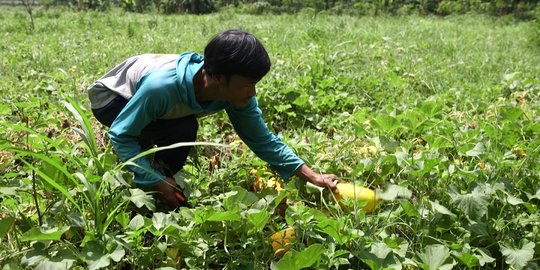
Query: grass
x,y
450,106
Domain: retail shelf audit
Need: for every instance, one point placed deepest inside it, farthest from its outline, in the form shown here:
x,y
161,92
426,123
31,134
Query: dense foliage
x,y
522,8
439,115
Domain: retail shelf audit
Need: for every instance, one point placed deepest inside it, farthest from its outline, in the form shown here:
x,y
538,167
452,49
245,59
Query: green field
x,y
439,114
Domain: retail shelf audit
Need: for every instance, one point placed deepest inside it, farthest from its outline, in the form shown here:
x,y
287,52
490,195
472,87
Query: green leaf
x,y
380,250
239,199
518,258
511,114
380,257
474,205
62,259
95,256
441,209
332,227
37,254
468,259
401,155
436,257
298,260
483,256
37,234
394,191
11,191
387,143
5,109
513,200
438,142
160,220
258,219
309,256
117,254
476,151
224,216
136,223
386,123
5,225
141,198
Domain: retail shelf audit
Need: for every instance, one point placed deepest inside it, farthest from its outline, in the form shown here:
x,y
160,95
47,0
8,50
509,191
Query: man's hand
x,y
321,180
165,192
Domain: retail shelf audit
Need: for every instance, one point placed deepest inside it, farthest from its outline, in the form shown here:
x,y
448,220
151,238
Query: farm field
x,y
439,115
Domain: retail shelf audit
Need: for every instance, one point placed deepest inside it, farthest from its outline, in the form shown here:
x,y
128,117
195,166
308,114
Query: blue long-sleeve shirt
x,y
166,91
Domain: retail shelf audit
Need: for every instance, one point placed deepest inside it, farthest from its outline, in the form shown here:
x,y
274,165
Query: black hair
x,y
236,52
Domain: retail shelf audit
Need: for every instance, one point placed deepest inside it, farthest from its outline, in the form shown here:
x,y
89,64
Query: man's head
x,y
236,52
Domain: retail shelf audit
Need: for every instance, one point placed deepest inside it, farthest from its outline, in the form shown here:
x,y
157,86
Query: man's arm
x,y
252,129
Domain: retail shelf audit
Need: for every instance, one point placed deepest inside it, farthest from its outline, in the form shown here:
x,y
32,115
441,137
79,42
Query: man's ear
x,y
207,77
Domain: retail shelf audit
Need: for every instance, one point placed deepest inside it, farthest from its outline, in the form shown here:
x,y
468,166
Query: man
x,y
154,99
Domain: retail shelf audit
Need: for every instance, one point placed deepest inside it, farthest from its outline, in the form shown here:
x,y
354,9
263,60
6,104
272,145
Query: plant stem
x,y
34,194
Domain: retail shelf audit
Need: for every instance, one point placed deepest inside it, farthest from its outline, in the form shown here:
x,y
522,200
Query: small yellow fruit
x,y
481,165
172,252
281,241
351,191
372,150
275,184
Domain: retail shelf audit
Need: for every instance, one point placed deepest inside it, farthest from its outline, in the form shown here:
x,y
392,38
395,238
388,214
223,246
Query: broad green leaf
x,y
387,143
401,155
141,198
483,257
380,256
333,227
511,114
61,259
224,216
437,142
37,254
95,255
474,204
386,123
468,259
37,234
398,245
258,219
513,200
5,225
394,191
122,219
441,209
117,254
5,109
534,196
380,250
11,191
436,257
239,199
476,151
518,257
431,107
160,220
136,223
298,260
309,256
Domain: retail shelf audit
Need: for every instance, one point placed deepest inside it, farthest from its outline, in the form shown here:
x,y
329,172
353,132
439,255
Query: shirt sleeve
x,y
250,126
146,105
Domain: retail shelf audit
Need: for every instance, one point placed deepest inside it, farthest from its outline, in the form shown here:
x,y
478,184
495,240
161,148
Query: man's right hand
x,y
165,192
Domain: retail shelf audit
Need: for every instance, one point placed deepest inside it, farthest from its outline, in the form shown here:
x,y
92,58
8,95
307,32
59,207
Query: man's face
x,y
238,90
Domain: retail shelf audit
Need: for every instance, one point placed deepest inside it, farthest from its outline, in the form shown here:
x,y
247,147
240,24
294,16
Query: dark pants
x,y
161,132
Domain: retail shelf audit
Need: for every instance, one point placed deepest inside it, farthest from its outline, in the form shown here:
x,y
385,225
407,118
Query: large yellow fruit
x,y
354,192
281,241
